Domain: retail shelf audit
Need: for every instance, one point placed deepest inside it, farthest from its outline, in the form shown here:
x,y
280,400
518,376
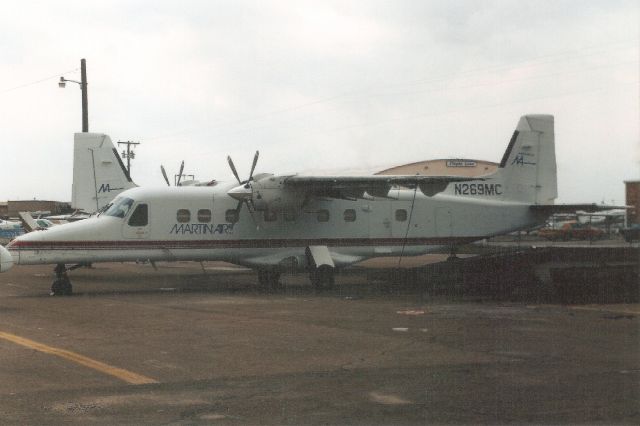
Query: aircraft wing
x,y
550,209
374,185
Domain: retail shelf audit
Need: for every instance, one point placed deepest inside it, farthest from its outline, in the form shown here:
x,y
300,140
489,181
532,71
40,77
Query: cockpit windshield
x,y
120,207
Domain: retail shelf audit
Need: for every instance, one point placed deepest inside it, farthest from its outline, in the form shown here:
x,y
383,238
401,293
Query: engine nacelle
x,y
270,193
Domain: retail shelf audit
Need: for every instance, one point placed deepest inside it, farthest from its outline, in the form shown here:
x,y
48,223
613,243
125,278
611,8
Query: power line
x,y
56,76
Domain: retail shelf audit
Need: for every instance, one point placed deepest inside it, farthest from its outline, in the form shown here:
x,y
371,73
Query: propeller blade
x,y
164,173
253,166
233,169
180,173
238,208
252,212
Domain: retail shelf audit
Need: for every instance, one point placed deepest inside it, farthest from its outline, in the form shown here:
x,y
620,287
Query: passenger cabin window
x,y
204,215
270,216
231,216
349,215
401,215
140,216
120,207
183,216
323,215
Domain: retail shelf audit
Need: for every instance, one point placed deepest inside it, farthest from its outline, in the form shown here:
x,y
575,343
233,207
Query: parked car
x,y
572,231
631,233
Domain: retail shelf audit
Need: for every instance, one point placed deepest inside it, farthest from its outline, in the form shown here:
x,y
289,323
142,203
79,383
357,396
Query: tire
x,y
61,287
269,278
322,278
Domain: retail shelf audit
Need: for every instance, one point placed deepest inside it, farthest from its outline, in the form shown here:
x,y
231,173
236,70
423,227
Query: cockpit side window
x,y
140,216
120,207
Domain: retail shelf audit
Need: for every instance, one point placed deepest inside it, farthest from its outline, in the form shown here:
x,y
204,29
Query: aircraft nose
x,y
6,260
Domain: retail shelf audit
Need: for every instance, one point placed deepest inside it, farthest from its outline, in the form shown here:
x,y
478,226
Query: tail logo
x,y
520,159
105,187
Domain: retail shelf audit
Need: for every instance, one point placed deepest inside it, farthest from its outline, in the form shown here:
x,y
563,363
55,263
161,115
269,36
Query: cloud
x,y
320,84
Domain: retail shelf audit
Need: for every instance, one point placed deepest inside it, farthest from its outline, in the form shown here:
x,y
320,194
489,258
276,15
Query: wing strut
x,y
406,234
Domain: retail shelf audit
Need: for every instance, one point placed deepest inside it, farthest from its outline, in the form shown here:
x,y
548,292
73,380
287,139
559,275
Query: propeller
x,y
180,173
244,192
164,173
233,169
166,179
235,172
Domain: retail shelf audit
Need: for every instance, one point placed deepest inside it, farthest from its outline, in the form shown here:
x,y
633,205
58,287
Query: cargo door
x,y
444,222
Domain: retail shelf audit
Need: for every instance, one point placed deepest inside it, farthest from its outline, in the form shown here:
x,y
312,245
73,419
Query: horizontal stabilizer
x,y
28,222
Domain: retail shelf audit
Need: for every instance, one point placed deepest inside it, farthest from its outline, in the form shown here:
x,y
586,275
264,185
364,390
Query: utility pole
x,y
129,153
83,87
85,103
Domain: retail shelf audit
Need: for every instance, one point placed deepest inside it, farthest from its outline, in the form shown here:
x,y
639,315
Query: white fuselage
x,y
196,223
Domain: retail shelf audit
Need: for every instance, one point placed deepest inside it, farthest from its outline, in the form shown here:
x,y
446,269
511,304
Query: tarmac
x,y
192,345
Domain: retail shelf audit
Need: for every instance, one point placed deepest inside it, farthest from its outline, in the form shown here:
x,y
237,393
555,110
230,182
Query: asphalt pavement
x,y
187,345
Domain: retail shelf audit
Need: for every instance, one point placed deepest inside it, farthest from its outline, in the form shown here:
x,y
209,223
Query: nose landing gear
x,y
61,285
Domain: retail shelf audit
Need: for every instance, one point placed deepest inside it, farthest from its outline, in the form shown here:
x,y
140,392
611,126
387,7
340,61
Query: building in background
x,y
632,199
37,206
444,167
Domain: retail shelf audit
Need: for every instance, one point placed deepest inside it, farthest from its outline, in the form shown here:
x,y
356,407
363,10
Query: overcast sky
x,y
319,85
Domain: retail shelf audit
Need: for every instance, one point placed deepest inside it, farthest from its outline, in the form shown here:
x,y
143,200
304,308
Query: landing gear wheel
x,y
322,278
61,286
269,278
453,254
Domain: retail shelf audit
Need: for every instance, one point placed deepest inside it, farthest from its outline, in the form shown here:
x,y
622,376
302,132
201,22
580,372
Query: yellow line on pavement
x,y
122,374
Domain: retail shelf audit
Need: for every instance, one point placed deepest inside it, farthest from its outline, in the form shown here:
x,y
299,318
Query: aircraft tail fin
x,y
528,167
98,172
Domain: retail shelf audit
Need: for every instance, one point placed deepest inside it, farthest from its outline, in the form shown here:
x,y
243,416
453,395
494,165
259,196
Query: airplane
x,y
10,229
30,224
277,223
602,218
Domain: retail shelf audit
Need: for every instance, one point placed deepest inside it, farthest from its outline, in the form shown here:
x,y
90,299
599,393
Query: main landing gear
x,y
453,254
322,278
61,285
321,267
269,278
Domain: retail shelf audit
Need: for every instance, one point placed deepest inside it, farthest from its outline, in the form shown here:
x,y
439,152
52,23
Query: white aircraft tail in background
x,y
98,172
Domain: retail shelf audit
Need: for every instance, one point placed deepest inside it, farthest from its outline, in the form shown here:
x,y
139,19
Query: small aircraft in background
x,y
29,223
609,217
9,230
275,223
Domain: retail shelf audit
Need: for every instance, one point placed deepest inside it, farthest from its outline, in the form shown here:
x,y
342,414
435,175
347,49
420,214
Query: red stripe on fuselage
x,y
242,243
